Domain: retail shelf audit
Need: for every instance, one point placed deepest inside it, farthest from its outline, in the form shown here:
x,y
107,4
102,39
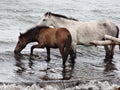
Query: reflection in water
x,y
67,72
19,64
110,66
34,66
30,63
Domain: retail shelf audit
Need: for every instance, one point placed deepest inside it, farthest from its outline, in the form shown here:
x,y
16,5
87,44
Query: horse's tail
x,y
67,48
117,36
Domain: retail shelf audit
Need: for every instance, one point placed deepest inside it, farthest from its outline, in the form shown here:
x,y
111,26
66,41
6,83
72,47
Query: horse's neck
x,y
58,22
69,24
31,38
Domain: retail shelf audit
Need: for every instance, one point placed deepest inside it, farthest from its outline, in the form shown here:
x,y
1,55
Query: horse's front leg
x,y
48,54
35,46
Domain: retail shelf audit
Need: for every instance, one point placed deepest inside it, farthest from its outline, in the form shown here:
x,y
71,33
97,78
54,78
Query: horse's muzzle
x,y
16,52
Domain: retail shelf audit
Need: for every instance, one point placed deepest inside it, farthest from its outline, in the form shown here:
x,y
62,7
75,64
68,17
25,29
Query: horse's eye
x,y
44,19
18,42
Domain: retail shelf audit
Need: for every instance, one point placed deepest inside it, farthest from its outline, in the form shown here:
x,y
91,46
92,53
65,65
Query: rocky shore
x,y
92,85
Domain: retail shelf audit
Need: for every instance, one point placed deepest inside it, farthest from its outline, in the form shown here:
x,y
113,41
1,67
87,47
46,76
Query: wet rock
x,y
48,87
33,87
92,85
55,76
52,70
40,65
117,88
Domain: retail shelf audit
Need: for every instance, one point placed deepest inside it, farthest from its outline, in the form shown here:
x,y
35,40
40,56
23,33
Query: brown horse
x,y
49,38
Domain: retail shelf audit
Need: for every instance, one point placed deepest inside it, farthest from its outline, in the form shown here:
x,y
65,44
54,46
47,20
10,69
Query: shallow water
x,y
17,16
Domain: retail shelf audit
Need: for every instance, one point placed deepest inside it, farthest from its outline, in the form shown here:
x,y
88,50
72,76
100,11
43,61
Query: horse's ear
x,y
20,33
49,13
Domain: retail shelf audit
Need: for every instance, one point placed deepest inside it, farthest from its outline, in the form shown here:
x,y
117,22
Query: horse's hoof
x,y
17,54
72,64
48,60
64,66
31,56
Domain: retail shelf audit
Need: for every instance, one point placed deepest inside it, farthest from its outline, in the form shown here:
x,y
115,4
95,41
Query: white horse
x,y
83,32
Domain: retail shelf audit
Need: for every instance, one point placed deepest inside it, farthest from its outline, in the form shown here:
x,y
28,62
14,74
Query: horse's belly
x,y
86,39
52,45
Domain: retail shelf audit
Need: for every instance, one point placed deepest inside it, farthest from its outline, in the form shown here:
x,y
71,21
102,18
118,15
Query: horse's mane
x,y
33,31
59,15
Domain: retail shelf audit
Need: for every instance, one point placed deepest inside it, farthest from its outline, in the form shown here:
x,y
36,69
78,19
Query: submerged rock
x,y
92,85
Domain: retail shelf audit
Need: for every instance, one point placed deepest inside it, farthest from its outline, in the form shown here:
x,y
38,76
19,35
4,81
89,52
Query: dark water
x,y
17,16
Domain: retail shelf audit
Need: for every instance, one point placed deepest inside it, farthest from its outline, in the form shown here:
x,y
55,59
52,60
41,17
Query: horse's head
x,y
55,20
48,20
21,44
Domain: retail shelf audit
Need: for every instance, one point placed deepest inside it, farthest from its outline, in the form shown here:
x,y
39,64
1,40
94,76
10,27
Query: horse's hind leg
x,y
63,55
73,49
109,51
72,56
48,54
112,47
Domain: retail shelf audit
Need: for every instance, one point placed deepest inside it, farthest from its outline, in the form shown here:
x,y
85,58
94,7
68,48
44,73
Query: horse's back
x,y
62,34
62,31
110,27
47,37
52,37
90,31
52,33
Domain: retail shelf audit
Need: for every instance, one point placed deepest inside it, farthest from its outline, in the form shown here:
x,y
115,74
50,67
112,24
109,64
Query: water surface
x,y
17,16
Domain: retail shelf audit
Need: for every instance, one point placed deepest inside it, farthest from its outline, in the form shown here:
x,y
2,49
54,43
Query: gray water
x,y
19,15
